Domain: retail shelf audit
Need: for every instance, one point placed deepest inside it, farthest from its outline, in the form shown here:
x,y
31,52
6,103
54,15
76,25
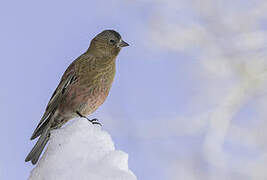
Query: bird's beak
x,y
123,44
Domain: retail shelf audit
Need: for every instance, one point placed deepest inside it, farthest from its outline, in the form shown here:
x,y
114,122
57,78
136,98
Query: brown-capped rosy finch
x,y
82,89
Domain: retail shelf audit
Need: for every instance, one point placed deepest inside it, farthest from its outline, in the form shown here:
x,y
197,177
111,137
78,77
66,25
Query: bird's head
x,y
108,43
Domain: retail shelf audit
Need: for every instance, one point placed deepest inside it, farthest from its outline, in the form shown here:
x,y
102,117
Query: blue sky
x,y
189,97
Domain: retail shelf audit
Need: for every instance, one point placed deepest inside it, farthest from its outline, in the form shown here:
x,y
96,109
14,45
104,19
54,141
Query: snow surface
x,y
82,151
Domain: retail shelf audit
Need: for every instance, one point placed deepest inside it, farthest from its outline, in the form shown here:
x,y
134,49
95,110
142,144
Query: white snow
x,y
82,151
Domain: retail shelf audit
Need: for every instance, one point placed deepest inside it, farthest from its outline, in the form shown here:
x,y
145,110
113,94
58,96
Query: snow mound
x,y
82,151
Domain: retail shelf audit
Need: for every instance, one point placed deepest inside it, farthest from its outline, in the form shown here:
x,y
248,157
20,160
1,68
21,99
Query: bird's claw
x,y
95,121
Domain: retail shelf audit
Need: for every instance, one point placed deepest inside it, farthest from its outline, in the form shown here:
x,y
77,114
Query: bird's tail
x,y
36,151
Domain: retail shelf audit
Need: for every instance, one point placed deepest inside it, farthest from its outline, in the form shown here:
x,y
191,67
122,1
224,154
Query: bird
x,y
83,87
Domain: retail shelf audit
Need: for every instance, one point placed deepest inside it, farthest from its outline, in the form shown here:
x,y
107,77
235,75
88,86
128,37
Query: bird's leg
x,y
93,121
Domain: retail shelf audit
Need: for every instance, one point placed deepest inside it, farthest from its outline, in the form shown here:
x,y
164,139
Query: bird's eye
x,y
112,41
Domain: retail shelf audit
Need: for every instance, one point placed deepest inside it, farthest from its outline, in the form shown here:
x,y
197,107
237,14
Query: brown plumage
x,y
82,89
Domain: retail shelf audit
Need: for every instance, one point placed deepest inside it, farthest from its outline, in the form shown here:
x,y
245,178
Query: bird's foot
x,y
93,121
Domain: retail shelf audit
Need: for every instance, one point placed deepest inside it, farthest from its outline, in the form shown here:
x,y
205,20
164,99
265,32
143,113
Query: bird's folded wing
x,y
67,79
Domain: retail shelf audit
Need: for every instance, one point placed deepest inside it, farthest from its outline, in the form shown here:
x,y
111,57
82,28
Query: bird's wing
x,y
67,79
